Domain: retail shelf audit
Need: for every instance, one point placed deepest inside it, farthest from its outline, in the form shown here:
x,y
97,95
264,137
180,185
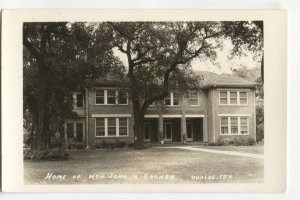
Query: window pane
x,y
79,131
79,100
100,127
223,97
224,125
168,100
234,125
244,125
223,94
122,97
70,130
176,98
243,97
111,97
233,97
193,98
100,97
122,126
111,127
224,121
244,121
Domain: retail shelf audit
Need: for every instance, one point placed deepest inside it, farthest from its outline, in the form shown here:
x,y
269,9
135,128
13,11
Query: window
x,y
243,97
193,98
175,98
172,99
244,125
234,126
233,98
122,126
168,100
123,97
224,125
223,97
75,130
111,127
70,130
100,97
79,100
79,131
111,97
100,127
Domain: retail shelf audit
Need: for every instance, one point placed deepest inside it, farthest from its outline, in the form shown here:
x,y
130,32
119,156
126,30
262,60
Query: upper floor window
x,y
193,98
172,99
233,98
78,99
111,97
100,97
168,100
123,97
234,126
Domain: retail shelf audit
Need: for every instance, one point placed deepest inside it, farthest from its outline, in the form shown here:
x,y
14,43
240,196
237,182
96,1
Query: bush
x,y
76,145
235,141
120,144
50,154
260,133
110,145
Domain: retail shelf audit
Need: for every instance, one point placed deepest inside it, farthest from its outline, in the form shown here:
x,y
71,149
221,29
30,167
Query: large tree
x,y
59,58
160,53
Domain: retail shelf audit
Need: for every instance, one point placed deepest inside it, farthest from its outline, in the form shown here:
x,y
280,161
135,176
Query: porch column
x,y
160,127
205,131
183,127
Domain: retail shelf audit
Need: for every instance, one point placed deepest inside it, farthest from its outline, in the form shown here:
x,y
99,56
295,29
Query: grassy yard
x,y
154,165
256,149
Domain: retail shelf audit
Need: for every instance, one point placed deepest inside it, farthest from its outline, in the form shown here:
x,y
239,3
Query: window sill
x,y
121,136
234,134
230,105
111,104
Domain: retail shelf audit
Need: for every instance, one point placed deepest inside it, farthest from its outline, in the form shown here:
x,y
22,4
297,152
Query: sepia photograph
x,y
143,102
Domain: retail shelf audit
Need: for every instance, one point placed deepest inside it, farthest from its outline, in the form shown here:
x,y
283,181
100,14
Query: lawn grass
x,y
180,164
256,149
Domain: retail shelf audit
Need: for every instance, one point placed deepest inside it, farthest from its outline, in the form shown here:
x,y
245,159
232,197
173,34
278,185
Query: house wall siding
x,y
238,110
208,109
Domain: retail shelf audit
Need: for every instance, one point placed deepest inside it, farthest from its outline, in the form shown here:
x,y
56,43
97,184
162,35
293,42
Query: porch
x,y
174,128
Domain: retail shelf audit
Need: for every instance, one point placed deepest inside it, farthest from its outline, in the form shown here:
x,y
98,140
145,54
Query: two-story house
x,y
223,107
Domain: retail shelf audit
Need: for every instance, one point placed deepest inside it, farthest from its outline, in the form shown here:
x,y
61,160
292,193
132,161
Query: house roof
x,y
224,80
210,80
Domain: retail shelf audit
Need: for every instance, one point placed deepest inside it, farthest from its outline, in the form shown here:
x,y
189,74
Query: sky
x,y
223,63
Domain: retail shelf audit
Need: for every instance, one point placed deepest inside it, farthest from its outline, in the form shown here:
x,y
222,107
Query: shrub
x,y
120,144
76,145
49,154
130,145
235,141
260,133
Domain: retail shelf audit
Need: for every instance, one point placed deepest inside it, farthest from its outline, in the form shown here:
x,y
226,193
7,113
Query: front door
x,y
167,131
189,130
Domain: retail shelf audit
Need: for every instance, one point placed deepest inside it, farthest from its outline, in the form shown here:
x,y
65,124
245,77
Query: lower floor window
x,y
75,130
234,125
111,127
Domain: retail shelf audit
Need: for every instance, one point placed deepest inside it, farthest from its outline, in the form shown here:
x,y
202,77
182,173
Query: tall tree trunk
x,y
138,127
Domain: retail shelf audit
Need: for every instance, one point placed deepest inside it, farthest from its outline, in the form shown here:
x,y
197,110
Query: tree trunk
x,y
138,128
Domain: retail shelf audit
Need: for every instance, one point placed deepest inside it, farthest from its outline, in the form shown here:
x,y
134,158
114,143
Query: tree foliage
x,y
60,58
159,55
